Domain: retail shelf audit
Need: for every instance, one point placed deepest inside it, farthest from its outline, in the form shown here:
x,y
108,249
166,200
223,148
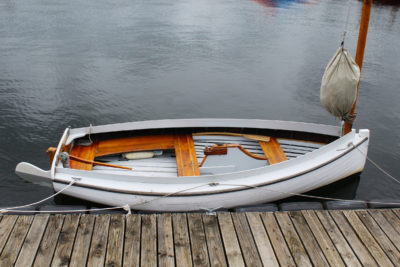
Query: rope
x,y
346,23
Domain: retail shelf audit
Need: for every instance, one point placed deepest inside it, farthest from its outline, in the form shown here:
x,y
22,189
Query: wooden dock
x,y
303,238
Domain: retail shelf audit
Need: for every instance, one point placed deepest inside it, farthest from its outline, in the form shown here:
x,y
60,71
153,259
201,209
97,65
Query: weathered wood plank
x,y
323,239
294,243
12,248
214,241
32,241
379,236
183,255
261,238
165,240
317,257
338,239
231,244
386,221
65,241
277,240
392,219
149,241
273,151
82,241
246,241
367,239
6,226
197,240
98,245
186,159
48,245
132,240
361,251
115,242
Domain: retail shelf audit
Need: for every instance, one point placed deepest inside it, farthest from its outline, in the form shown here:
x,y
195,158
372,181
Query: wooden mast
x,y
362,38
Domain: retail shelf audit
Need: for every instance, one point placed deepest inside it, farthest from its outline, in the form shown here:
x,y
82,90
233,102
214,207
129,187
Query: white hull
x,y
321,167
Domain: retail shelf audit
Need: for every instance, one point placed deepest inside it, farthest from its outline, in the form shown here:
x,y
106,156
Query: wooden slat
x,y
149,241
294,243
16,238
214,241
181,240
65,241
132,240
367,239
388,222
231,244
261,238
362,252
185,153
49,241
32,241
115,242
98,246
136,143
273,151
338,239
277,240
311,245
82,241
6,226
84,152
165,240
392,218
197,240
379,236
246,241
325,243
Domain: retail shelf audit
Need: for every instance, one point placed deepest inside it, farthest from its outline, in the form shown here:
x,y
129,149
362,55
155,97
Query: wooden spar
x,y
362,38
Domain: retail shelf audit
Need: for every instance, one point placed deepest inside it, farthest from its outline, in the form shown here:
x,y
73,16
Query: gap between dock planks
x,y
306,238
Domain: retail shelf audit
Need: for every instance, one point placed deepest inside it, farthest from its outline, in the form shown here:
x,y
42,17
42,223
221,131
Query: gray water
x,y
78,62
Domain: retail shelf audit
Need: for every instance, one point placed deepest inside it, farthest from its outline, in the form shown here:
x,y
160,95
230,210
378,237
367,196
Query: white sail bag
x,y
339,84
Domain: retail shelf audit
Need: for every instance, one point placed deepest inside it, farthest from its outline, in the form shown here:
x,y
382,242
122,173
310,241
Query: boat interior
x,y
189,152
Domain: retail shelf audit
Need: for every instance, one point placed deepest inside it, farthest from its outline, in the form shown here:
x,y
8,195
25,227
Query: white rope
x,y
347,22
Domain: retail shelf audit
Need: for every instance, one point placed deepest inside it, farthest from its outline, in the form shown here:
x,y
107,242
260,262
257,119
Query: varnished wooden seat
x,y
273,151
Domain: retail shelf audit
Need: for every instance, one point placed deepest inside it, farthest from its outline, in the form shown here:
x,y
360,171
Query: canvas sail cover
x,y
339,84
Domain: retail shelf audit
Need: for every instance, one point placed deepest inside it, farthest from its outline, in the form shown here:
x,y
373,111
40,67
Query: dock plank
x,y
98,245
6,226
317,257
214,241
132,240
82,241
392,218
48,244
246,241
197,240
32,241
387,224
230,241
165,240
379,236
278,242
115,242
261,239
183,255
293,240
12,248
367,239
65,241
356,244
323,239
149,240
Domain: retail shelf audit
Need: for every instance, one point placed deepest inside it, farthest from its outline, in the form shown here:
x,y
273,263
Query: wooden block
x,y
32,241
273,151
185,153
83,152
136,143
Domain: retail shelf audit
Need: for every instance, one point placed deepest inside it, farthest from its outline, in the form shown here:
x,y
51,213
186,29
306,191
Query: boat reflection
x,y
385,2
284,3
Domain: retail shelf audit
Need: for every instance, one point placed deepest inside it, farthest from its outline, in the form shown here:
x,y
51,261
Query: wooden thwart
x,y
273,151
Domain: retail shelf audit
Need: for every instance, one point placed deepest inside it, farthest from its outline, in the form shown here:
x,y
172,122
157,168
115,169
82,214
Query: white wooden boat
x,y
300,157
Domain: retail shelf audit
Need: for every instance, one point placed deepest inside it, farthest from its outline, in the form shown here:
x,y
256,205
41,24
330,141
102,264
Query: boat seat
x,y
273,151
83,152
185,152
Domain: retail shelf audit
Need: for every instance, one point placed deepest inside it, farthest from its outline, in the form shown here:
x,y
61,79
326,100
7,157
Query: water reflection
x,y
284,3
386,2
